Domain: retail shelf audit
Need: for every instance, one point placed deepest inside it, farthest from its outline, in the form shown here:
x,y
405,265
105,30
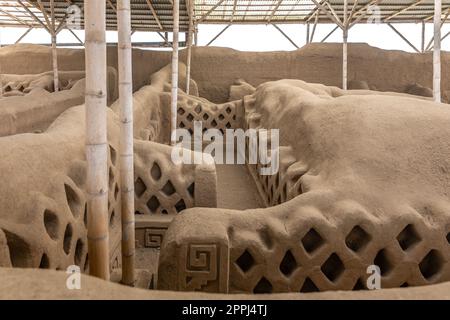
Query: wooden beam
x,y
155,15
437,51
96,139
403,37
210,10
410,6
345,48
285,35
190,9
126,141
54,47
218,35
34,16
332,17
174,106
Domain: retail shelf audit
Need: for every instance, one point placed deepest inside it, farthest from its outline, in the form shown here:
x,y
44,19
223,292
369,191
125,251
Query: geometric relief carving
x,y
204,267
154,237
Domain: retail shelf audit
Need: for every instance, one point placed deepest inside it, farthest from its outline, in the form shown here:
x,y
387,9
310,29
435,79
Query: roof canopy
x,y
156,15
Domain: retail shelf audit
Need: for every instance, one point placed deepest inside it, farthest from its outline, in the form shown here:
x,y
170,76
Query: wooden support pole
x,y
329,34
345,48
423,37
218,35
1,69
126,141
96,139
307,32
285,35
54,47
189,46
174,107
437,51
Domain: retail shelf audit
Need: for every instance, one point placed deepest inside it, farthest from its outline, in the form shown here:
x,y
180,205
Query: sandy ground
x,y
49,285
236,188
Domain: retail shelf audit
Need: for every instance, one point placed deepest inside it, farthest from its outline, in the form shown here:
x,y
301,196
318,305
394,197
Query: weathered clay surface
x,y
43,208
364,180
50,285
35,106
216,69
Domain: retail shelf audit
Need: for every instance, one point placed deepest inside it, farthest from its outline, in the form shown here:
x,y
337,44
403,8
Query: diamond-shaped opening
x,y
51,223
382,261
312,241
405,285
263,286
333,267
45,262
156,172
182,125
191,189
221,117
214,123
228,125
190,117
229,110
67,239
245,262
357,239
153,204
198,109
168,189
309,286
408,237
180,206
205,117
139,187
359,285
288,264
431,265
181,111
73,200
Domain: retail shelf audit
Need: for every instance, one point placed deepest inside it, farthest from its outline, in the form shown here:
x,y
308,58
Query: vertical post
x,y
307,32
195,34
437,51
345,47
189,47
126,140
96,138
1,69
54,48
176,27
423,37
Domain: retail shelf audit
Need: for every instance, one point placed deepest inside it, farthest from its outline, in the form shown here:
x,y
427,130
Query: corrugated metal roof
x,y
156,15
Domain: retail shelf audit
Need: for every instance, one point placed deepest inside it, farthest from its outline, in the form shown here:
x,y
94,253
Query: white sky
x,y
262,37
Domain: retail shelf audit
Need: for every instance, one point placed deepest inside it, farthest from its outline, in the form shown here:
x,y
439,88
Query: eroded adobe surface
x,y
364,180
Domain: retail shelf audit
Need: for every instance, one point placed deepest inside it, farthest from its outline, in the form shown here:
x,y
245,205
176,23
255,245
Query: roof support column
x,y
174,105
96,139
307,32
345,48
437,51
126,141
189,46
423,37
54,48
